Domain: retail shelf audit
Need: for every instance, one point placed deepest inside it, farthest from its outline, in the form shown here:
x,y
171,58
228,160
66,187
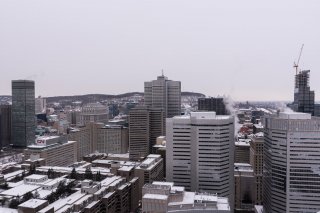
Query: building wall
x,y
242,154
112,140
256,161
200,153
165,94
5,125
59,155
292,159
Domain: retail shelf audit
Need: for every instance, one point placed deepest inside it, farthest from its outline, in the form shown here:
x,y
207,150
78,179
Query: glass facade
x,y
23,113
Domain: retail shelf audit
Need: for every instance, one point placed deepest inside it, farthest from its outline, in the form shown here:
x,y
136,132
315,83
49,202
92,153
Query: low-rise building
x,y
56,150
164,197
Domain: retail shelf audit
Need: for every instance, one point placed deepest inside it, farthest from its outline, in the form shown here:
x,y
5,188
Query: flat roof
x,y
32,203
20,190
37,177
155,196
8,210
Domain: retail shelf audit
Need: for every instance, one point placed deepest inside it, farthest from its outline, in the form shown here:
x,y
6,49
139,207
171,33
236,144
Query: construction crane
x,y
296,65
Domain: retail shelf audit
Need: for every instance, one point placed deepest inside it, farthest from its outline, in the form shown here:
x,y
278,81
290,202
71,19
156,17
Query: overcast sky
x,y
244,49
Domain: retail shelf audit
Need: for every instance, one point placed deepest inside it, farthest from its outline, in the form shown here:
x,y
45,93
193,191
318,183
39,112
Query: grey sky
x,y
244,49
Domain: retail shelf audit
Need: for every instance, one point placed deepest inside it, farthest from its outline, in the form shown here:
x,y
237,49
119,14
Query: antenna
x,y
162,72
296,65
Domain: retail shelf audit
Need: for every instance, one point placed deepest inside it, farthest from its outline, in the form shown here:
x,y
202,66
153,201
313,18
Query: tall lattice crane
x,y
296,65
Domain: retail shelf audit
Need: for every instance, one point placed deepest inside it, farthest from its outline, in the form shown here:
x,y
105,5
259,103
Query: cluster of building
x,y
159,159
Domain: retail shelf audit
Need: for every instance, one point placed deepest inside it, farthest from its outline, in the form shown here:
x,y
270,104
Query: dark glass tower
x,y
5,125
23,113
212,104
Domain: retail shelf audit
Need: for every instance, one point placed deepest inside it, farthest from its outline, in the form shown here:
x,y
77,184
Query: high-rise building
x,y
200,153
212,104
165,94
5,125
291,163
23,113
303,96
244,188
40,105
242,151
145,125
256,161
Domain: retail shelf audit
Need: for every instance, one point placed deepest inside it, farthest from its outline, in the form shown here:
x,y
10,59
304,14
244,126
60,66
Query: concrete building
x,y
5,125
200,153
97,137
256,161
145,125
164,94
244,187
56,150
40,105
242,151
32,206
212,104
291,163
162,197
113,139
151,169
94,112
23,113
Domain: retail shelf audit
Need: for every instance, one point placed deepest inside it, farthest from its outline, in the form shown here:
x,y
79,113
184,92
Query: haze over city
x,y
244,49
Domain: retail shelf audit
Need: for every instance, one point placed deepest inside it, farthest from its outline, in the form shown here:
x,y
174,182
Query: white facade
x,y
200,153
292,163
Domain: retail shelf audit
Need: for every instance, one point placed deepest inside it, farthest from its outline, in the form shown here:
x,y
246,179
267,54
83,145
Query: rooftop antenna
x,y
296,65
162,72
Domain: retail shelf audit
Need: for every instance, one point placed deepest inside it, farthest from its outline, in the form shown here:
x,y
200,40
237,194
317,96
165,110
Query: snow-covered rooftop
x,y
32,203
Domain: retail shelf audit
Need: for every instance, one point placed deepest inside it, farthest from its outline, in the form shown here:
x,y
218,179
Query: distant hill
x,y
98,97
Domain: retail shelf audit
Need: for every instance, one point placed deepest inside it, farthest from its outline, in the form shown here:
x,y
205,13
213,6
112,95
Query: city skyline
x,y
74,48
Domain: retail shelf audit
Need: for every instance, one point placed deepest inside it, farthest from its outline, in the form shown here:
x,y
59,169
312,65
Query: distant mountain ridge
x,y
98,97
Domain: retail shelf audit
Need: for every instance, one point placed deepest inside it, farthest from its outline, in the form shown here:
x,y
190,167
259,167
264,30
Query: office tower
x,y
5,125
200,153
23,113
303,96
145,125
244,187
165,94
291,163
94,112
212,104
256,161
40,105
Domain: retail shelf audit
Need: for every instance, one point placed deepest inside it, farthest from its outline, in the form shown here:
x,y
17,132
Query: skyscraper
x,y
5,125
303,96
291,175
165,94
200,153
23,113
145,125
